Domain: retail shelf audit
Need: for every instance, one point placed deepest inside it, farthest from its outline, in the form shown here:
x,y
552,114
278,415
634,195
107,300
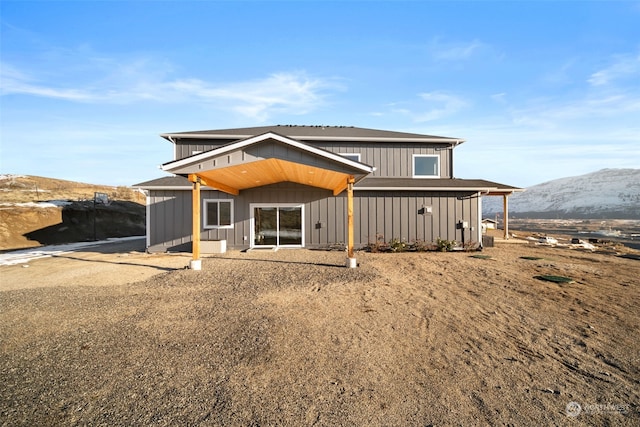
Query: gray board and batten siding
x,y
391,153
377,214
391,160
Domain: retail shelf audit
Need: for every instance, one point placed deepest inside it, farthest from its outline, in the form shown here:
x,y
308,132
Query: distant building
x,y
489,224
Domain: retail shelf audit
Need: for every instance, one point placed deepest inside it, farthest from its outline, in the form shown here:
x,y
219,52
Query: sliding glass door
x,y
277,225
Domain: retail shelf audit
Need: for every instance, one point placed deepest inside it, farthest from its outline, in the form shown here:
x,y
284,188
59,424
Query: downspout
x,y
454,145
175,147
451,162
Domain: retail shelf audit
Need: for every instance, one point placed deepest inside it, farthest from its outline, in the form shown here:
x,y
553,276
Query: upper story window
x,y
426,166
351,156
218,213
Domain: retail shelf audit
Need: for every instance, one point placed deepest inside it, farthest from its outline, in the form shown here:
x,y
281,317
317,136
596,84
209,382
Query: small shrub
x,y
397,245
445,245
378,246
422,246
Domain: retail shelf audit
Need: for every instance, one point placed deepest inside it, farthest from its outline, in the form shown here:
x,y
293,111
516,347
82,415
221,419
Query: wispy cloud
x,y
623,66
431,106
15,81
292,92
590,112
289,92
609,98
454,51
439,105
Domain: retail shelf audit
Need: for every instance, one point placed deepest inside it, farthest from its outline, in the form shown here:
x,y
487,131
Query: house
x,y
290,186
489,224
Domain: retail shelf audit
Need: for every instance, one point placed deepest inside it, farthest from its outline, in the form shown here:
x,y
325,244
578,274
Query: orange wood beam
x,y
195,207
341,187
219,186
350,182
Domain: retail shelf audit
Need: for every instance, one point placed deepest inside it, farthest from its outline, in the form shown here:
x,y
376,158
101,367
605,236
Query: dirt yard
x,y
294,338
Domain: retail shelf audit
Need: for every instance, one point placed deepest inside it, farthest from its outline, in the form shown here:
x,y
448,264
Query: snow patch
x,y
47,204
25,255
10,176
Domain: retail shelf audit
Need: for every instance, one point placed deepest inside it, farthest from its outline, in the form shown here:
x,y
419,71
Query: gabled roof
x,y
315,133
267,159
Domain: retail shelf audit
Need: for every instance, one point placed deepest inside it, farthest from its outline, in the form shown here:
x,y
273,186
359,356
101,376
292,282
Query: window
x,y
218,213
351,156
426,166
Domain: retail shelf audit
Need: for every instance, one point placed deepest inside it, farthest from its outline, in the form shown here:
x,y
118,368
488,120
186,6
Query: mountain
x,y
608,193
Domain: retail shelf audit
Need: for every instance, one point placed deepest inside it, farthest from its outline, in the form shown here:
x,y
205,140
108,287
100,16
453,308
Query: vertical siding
x,y
391,215
170,213
186,149
392,160
394,215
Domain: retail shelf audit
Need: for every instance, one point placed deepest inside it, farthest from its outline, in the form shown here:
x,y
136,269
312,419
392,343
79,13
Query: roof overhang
x,y
343,134
484,187
438,140
502,192
268,159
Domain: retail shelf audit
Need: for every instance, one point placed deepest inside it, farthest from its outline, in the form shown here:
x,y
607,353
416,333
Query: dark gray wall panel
x,y
389,215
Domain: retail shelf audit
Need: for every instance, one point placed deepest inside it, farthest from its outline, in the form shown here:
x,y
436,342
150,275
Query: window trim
x,y
413,165
358,155
205,214
252,222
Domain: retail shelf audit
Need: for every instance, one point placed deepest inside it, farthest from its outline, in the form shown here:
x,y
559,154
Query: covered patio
x,y
267,159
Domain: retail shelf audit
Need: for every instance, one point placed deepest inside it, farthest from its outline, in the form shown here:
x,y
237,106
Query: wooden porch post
x,y
196,263
351,261
505,215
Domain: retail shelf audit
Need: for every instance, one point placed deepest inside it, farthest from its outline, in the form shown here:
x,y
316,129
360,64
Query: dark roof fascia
x,y
175,182
433,184
316,133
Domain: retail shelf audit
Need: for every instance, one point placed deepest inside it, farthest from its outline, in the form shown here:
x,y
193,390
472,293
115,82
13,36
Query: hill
x,y
607,194
29,188
37,210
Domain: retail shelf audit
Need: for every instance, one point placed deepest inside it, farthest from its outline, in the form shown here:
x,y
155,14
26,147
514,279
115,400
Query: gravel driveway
x,y
120,337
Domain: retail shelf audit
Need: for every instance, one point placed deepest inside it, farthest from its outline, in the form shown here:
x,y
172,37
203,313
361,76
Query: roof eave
x,y
476,189
171,137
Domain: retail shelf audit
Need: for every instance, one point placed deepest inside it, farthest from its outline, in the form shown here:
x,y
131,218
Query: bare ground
x,y
294,338
25,225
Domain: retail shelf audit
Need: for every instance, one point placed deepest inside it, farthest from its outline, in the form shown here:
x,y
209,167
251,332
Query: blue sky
x,y
540,90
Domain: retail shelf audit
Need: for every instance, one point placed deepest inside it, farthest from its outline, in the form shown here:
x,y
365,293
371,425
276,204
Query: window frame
x,y
413,165
205,214
358,155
